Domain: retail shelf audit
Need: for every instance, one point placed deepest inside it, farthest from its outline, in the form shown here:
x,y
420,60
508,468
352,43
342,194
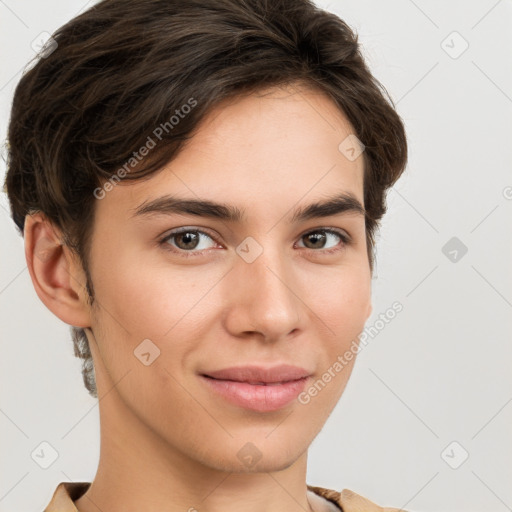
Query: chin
x,y
267,464
262,454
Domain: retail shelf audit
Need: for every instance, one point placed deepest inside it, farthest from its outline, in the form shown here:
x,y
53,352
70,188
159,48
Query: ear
x,y
57,275
370,309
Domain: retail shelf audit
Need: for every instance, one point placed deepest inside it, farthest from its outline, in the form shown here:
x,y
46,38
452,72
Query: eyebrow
x,y
343,203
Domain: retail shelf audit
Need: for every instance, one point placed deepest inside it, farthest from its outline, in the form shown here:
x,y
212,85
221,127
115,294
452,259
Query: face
x,y
265,288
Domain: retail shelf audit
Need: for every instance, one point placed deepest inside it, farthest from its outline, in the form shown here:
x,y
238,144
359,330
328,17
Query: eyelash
x,y
345,241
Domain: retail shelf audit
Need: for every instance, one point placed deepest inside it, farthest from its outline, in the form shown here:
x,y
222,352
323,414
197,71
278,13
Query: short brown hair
x,y
124,67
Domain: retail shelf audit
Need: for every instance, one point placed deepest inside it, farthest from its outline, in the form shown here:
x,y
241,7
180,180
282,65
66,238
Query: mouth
x,y
257,388
253,383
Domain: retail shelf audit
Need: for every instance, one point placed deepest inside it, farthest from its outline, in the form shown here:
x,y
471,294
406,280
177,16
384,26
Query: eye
x,y
187,240
317,239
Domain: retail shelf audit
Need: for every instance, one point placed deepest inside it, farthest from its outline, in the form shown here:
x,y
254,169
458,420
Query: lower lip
x,y
261,398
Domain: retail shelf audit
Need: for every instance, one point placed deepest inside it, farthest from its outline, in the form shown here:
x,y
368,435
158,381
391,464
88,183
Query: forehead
x,y
258,150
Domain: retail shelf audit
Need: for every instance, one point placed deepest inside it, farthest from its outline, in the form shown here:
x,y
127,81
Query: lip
x,y
258,388
253,373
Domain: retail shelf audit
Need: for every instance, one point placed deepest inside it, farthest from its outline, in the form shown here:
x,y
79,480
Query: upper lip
x,y
281,373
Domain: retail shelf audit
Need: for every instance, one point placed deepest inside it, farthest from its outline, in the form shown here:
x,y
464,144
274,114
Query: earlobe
x,y
57,279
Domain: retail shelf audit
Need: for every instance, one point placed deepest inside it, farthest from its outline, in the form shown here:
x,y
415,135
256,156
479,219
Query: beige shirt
x,y
347,501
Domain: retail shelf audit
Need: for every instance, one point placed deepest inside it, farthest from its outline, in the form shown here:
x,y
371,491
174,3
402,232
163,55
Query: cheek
x,y
148,298
150,301
146,310
341,303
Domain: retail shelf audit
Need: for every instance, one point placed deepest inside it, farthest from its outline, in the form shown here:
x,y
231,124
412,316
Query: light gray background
x,y
439,372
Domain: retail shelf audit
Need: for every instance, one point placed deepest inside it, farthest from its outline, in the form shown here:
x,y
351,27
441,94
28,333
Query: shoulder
x,y
350,501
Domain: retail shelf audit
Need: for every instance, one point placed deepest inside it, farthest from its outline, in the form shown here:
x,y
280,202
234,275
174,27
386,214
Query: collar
x,y
347,501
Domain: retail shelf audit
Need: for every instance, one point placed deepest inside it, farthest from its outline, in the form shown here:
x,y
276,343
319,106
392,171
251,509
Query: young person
x,y
199,185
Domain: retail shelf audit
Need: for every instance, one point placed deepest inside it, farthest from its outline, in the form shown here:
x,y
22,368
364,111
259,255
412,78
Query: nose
x,y
264,297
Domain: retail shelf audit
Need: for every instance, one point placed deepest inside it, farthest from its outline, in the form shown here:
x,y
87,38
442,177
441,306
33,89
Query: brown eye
x,y
187,240
319,238
315,240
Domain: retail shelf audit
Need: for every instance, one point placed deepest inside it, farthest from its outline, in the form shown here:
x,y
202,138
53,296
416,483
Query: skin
x,y
167,442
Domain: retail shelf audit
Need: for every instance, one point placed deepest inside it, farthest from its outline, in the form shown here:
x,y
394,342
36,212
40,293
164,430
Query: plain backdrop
x,y
425,422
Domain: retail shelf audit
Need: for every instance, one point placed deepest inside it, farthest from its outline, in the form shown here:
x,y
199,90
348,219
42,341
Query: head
x,y
251,104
